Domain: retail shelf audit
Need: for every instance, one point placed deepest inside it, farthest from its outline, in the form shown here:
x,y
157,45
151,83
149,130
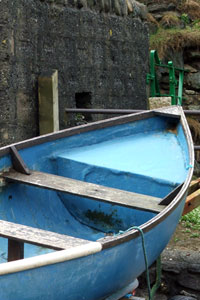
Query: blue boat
x,y
74,204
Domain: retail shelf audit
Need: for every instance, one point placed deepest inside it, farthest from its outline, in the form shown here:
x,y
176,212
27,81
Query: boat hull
x,y
93,277
74,154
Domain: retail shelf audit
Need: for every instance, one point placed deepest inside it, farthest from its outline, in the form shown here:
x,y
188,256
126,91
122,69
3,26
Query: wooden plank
x,y
48,102
15,250
192,202
85,189
39,237
194,185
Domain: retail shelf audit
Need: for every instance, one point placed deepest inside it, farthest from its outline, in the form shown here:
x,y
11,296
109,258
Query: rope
x,y
152,292
145,256
158,277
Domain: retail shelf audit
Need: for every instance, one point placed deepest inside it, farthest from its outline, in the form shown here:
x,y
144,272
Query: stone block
x,y
157,7
193,80
157,102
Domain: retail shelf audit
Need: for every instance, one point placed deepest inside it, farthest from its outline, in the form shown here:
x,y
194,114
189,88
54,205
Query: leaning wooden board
x,y
193,199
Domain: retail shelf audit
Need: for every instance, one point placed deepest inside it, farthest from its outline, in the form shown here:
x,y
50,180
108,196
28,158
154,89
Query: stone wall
x,y
101,55
180,276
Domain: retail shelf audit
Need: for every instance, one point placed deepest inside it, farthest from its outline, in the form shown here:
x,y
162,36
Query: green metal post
x,y
180,87
152,78
172,82
154,84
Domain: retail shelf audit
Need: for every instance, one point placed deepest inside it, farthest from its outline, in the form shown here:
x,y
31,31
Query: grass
x,y
170,20
194,128
175,39
192,8
191,221
178,30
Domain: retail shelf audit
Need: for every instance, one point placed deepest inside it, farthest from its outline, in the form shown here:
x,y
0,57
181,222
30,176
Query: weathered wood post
x,y
15,250
48,102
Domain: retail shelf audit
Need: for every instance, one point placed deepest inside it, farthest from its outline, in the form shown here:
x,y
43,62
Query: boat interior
x,y
87,186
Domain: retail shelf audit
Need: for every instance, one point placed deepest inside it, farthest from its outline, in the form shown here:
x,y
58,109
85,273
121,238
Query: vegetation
x,y
191,8
191,223
177,30
195,129
175,39
170,20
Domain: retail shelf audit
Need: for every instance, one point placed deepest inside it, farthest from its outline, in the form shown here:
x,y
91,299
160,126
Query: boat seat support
x,y
15,250
170,197
18,163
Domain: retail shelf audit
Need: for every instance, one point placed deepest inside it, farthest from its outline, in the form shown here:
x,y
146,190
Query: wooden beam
x,y
19,234
194,185
88,190
48,102
192,202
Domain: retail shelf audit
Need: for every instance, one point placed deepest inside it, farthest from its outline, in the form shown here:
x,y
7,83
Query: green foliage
x,y
79,119
176,240
187,231
195,235
196,24
185,18
192,219
176,33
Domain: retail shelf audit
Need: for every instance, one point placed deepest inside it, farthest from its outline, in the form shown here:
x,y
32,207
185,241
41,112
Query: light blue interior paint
x,y
148,163
157,155
143,157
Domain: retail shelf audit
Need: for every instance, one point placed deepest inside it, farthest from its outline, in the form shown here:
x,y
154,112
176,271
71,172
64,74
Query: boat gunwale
x,y
175,111
60,256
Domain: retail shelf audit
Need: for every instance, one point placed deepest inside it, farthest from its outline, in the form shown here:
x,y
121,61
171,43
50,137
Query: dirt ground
x,y
185,239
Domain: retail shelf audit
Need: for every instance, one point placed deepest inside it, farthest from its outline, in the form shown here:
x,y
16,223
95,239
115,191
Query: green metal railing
x,y
175,86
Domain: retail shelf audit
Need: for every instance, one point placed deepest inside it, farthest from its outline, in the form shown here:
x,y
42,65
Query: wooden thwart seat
x,y
39,237
88,190
19,234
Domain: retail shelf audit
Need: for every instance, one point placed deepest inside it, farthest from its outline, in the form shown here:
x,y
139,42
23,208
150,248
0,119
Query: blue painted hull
x,y
142,156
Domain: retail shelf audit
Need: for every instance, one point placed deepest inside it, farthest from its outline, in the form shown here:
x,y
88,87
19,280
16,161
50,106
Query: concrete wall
x,y
101,58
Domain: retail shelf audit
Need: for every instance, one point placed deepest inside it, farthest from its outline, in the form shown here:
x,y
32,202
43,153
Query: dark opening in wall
x,y
83,100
